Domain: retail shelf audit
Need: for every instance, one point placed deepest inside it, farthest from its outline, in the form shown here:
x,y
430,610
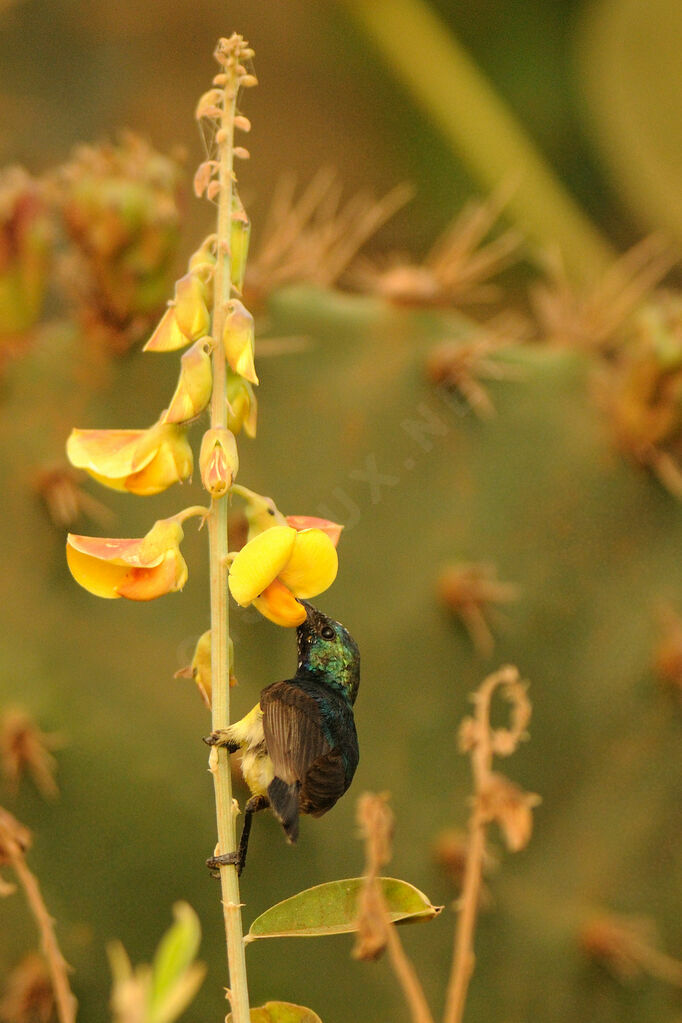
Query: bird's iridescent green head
x,y
327,650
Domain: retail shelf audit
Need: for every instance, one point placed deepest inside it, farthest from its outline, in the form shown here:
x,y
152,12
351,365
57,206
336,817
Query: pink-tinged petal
x,y
119,552
332,529
113,454
167,337
278,604
259,563
312,566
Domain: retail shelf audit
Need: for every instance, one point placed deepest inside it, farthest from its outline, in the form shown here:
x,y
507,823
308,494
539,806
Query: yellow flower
x,y
279,565
140,569
187,318
140,461
193,391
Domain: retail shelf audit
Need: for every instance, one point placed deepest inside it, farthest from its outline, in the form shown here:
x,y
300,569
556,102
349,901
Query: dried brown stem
x,y
495,798
12,848
628,947
376,930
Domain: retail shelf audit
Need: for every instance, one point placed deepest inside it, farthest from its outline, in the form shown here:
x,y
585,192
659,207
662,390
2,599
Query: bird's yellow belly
x,y
256,765
257,770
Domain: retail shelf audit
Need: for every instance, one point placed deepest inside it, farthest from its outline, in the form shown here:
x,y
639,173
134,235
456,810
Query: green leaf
x,y
176,950
281,1012
331,908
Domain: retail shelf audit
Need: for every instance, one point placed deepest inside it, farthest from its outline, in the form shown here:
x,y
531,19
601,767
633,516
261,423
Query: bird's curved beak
x,y
309,609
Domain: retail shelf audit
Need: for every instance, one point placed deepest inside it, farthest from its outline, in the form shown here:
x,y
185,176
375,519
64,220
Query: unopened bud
x,y
242,405
218,460
240,233
191,312
238,339
209,104
193,391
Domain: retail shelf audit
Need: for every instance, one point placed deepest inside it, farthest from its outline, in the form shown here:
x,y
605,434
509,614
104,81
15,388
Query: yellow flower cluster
x,y
285,559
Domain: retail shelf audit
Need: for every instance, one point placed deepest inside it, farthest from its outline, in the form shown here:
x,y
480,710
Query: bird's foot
x,y
221,738
214,863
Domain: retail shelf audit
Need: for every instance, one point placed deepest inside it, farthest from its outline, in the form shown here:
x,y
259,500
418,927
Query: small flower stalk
x,y
285,559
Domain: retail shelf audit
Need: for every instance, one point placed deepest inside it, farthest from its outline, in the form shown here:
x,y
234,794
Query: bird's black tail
x,y
284,802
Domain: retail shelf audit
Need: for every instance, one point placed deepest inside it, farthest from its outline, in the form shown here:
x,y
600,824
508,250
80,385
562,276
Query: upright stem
x,y
464,958
226,809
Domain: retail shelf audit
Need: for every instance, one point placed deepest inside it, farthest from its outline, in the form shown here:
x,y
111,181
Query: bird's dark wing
x,y
292,726
324,783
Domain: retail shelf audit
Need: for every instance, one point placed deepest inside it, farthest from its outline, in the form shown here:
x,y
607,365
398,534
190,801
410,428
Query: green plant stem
x,y
226,808
480,128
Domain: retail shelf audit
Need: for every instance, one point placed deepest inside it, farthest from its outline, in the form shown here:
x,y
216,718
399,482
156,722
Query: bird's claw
x,y
214,863
217,738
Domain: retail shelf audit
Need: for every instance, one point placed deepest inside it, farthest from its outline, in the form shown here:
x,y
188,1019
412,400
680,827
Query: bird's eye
x,y
327,632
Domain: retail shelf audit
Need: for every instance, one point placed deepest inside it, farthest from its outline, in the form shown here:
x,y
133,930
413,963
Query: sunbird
x,y
299,744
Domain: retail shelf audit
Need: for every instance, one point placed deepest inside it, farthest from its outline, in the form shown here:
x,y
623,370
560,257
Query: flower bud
x,y
193,391
202,264
186,319
191,312
239,243
218,461
238,339
242,405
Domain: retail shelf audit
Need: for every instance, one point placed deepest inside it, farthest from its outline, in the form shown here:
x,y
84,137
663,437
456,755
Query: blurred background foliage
x,y
589,537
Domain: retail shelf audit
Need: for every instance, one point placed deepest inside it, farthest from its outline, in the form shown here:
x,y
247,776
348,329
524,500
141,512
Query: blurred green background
x,y
592,541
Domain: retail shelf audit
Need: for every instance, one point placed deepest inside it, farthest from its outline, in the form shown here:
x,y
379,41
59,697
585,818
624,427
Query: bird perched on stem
x,y
299,744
